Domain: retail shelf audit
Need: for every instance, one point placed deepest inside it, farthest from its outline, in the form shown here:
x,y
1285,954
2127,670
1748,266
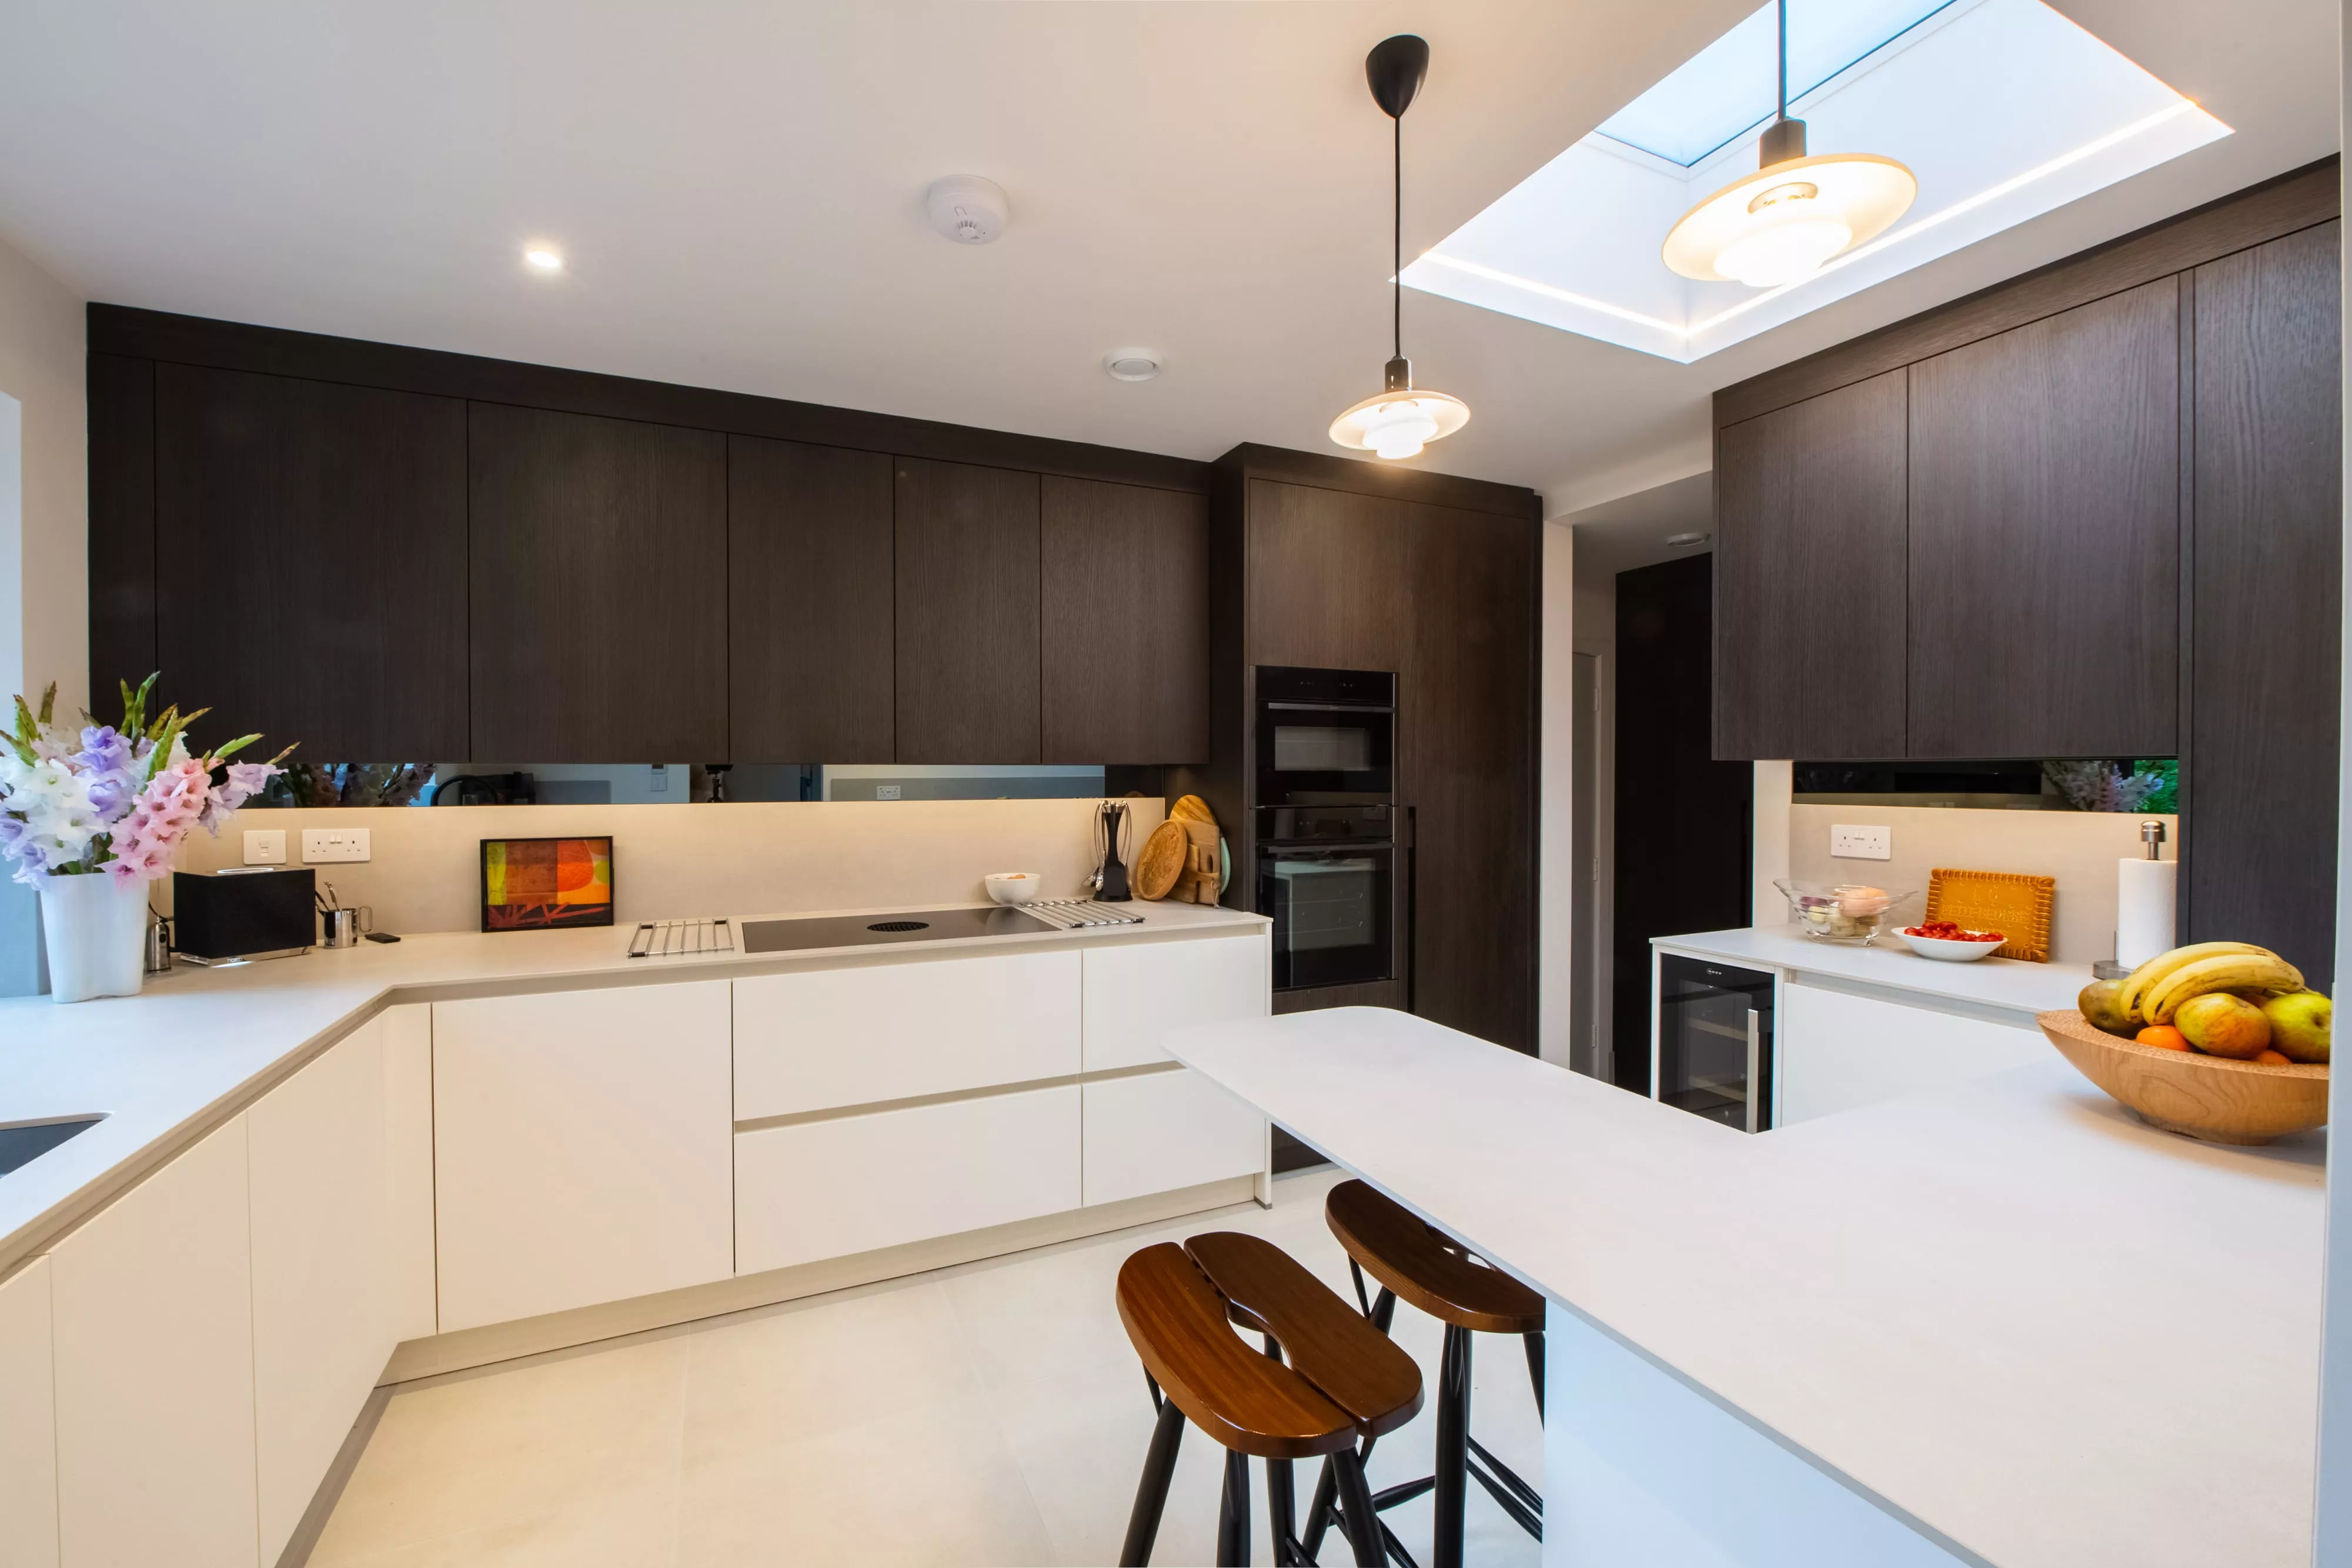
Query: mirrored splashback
x,y
2145,784
314,784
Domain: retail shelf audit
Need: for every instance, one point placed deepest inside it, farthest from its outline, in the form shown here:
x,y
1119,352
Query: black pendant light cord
x,y
1784,59
1396,208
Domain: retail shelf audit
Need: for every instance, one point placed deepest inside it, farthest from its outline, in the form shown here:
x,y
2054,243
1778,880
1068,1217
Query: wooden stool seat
x,y
1325,1381
1249,1402
1348,1362
1428,1269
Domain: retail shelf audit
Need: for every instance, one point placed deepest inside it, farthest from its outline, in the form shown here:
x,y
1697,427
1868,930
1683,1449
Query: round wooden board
x,y
1162,859
1192,808
2207,1097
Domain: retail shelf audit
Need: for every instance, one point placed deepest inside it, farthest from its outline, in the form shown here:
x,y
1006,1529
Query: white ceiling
x,y
738,188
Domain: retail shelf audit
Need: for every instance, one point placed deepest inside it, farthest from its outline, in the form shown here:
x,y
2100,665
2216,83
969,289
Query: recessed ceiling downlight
x,y
543,259
1131,364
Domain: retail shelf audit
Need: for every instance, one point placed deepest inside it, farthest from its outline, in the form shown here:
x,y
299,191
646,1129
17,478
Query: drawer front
x,y
1835,1052
1136,992
1162,1131
852,1184
830,1038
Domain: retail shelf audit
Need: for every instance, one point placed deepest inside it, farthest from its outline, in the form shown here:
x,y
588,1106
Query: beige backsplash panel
x,y
2078,848
678,862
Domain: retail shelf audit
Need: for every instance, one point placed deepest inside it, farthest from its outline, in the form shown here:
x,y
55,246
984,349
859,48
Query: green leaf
x,y
49,703
234,746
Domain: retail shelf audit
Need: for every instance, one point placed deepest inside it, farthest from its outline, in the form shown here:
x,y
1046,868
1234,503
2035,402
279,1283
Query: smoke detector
x,y
966,209
1131,364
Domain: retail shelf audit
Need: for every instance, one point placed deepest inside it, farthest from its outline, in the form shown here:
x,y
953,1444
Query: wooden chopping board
x,y
1162,859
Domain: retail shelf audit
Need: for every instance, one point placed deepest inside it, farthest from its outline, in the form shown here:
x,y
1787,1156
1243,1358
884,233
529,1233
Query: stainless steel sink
x,y
21,1142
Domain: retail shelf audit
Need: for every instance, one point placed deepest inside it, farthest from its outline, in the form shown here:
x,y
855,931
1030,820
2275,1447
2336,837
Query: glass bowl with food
x,y
1841,912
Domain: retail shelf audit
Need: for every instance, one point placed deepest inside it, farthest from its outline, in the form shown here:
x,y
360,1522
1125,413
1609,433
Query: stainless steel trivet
x,y
679,938
1066,913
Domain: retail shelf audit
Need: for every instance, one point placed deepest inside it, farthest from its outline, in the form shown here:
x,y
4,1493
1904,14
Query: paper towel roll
x,y
2144,895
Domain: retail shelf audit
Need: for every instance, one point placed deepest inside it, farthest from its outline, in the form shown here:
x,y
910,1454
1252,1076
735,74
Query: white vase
x,y
96,932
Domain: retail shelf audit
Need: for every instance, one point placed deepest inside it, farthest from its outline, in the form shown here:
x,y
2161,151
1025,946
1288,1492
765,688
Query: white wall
x,y
683,861
2332,1494
2078,848
44,531
1556,866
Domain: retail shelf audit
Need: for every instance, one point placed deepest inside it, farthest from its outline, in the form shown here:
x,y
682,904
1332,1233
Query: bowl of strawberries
x,y
1950,943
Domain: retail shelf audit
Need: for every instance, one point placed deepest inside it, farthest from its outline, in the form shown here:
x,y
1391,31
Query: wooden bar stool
x,y
1325,1382
1421,1265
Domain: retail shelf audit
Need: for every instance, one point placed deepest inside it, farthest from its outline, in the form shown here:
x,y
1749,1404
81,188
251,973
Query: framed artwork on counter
x,y
546,885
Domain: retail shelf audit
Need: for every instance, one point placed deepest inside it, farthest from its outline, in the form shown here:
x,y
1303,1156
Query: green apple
x,y
2301,1023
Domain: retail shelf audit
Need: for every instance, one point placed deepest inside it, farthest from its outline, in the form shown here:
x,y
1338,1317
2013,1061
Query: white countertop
x,y
2035,1329
199,1044
2007,983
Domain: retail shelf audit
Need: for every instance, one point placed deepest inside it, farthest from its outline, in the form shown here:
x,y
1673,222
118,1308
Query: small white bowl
x,y
1948,951
1011,887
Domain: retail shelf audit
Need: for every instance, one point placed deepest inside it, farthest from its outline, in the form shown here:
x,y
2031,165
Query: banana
x,y
2143,980
2223,972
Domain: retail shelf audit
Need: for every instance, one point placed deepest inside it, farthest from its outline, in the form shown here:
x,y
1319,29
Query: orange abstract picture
x,y
539,885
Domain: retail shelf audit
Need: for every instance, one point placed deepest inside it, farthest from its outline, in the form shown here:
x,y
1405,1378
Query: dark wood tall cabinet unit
x,y
810,622
1812,615
1329,563
2045,537
310,562
599,583
968,609
2267,574
2124,522
121,393
1124,575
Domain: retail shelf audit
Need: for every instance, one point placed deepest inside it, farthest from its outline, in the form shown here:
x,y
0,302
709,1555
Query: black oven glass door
x,y
1309,754
1331,914
1715,1040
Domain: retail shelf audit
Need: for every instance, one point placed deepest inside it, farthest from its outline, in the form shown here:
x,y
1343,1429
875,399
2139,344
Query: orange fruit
x,y
2163,1036
2273,1058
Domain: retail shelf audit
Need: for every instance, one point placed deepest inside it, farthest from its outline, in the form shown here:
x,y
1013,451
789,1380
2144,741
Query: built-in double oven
x,y
1327,827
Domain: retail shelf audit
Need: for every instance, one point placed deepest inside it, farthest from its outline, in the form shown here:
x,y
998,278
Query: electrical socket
x,y
321,845
264,846
1848,842
886,791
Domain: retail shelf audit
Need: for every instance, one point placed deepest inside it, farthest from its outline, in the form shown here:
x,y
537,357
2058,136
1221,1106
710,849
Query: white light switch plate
x,y
321,845
264,846
1854,843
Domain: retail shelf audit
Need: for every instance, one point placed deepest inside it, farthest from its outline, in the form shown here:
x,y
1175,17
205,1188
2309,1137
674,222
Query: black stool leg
x,y
1281,1497
1233,1514
1535,1368
1357,1516
1452,1448
1151,1491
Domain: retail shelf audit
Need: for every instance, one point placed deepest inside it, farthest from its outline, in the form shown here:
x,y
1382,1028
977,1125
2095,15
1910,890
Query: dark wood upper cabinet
x,y
968,635
2045,537
1126,626
1810,574
810,585
599,583
311,563
1330,578
122,396
2260,854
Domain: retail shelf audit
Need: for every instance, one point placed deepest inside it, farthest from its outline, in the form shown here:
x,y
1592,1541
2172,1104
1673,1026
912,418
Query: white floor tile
x,y
989,1413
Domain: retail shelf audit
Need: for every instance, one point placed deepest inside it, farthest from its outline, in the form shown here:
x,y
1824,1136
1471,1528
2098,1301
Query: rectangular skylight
x,y
2004,110
1731,87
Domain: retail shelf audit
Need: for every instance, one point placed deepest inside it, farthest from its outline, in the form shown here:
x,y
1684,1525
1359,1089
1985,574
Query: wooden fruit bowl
x,y
2207,1097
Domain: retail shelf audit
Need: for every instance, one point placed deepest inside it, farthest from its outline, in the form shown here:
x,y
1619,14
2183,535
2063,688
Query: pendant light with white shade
x,y
1396,421
1794,213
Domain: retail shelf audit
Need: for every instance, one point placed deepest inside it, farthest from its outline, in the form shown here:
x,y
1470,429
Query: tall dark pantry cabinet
x,y
1325,562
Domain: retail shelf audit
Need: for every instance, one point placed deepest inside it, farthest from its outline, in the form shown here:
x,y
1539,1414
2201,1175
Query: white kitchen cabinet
x,y
824,1038
582,1148
408,1170
851,1184
1157,1131
1834,1051
321,1308
1136,992
28,1433
152,1310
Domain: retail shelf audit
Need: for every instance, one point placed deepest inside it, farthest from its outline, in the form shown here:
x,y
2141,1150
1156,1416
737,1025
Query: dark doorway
x,y
1683,825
